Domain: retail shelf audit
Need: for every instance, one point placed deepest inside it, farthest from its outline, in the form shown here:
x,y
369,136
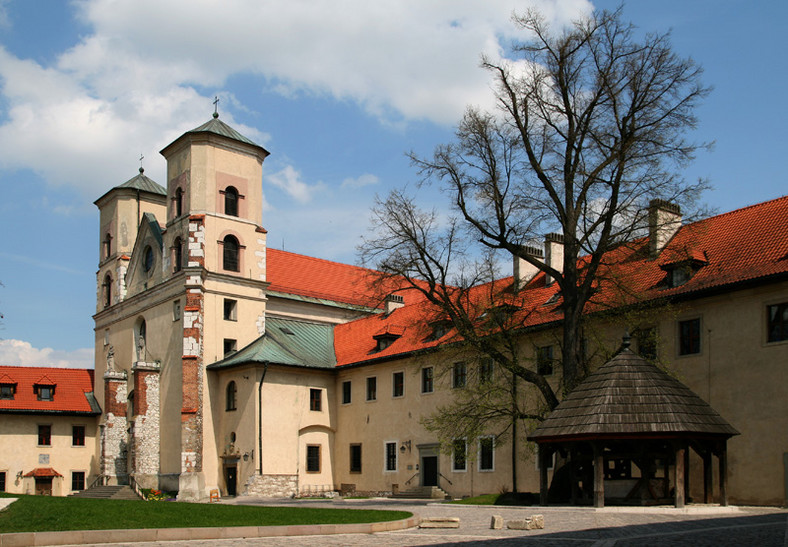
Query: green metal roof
x,y
287,342
144,184
218,127
154,226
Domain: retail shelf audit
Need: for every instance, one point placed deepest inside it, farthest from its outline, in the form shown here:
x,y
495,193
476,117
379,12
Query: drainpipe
x,y
260,418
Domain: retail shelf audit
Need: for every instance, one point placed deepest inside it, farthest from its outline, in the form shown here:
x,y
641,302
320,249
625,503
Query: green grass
x,y
500,499
43,513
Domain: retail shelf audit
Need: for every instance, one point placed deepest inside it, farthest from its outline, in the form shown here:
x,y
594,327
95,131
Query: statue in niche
x,y
111,359
141,350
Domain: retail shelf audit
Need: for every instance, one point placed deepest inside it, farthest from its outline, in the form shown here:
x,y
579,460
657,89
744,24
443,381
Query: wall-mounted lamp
x,y
405,445
248,455
19,475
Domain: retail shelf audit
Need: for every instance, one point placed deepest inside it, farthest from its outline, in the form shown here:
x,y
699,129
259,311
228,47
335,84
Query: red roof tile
x,y
70,391
749,244
43,472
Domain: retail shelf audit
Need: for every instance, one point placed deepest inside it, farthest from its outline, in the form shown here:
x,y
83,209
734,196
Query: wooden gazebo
x,y
631,412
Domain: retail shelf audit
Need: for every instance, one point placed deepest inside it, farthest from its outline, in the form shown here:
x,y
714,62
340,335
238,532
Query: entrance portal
x,y
230,474
43,486
429,471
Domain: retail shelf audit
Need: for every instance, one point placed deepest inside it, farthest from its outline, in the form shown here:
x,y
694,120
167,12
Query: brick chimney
x,y
522,270
393,302
554,254
664,220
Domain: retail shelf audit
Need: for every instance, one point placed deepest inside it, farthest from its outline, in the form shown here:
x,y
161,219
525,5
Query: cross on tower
x,y
141,158
216,106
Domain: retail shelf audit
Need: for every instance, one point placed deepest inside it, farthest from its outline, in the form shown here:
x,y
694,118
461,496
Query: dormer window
x,y
439,329
681,271
44,392
387,336
7,391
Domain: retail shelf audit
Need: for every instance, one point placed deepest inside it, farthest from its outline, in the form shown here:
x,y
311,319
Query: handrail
x,y
134,486
413,477
99,479
447,480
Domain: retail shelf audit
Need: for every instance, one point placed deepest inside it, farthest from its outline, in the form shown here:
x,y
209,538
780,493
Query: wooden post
x,y
708,487
599,476
542,474
723,475
573,474
687,473
678,487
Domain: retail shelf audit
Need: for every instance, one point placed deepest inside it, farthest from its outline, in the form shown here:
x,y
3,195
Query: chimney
x,y
392,302
664,220
554,254
522,270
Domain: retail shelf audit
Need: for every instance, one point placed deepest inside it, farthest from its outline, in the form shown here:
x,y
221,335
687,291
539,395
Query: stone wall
x,y
271,486
114,438
146,424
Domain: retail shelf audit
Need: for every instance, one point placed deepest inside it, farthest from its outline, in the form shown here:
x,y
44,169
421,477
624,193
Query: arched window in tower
x,y
177,255
231,392
178,202
106,289
230,256
231,201
148,259
107,246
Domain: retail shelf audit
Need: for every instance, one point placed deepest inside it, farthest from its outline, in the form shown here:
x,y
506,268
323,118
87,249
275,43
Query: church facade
x,y
223,364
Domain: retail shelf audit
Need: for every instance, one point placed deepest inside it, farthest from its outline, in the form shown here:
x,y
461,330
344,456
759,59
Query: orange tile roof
x,y
311,277
43,472
72,387
745,245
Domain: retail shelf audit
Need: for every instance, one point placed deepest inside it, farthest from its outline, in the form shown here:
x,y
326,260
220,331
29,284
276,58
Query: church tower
x,y
181,284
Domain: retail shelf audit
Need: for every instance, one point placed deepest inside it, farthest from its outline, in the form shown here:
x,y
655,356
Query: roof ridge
x,y
735,211
326,260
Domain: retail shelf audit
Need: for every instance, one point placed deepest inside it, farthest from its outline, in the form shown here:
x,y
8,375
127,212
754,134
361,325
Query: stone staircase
x,y
422,493
120,492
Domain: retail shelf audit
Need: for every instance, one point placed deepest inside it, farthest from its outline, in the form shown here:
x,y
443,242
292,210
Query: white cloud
x,y
129,85
366,179
289,180
21,353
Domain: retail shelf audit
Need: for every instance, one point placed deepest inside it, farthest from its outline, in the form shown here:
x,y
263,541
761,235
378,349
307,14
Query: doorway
x,y
230,477
429,470
43,486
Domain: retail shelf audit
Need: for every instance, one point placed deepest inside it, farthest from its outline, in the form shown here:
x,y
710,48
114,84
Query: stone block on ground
x,y
496,523
440,522
534,522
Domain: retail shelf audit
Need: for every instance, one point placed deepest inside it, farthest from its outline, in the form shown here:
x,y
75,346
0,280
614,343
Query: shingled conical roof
x,y
629,397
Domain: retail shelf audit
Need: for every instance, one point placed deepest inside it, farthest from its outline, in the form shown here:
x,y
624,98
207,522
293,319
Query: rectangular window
x,y
544,360
398,384
7,391
355,458
44,435
486,454
777,322
372,388
230,346
485,370
176,310
313,458
45,393
426,380
315,399
689,336
391,456
77,480
78,435
2,481
459,455
230,309
458,376
346,392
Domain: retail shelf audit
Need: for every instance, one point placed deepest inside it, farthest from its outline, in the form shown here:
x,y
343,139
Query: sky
x,y
338,91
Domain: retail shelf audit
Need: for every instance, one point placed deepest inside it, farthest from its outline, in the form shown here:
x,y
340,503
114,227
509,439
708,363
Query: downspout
x,y
260,418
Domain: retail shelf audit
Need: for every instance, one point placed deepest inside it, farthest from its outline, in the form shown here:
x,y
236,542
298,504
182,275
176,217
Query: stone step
x,y
120,492
422,492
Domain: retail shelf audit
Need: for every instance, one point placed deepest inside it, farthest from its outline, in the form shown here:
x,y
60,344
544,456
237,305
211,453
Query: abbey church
x,y
221,364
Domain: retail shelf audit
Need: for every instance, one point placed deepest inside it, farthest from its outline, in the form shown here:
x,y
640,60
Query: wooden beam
x,y
573,474
679,479
686,473
542,474
724,474
708,486
599,476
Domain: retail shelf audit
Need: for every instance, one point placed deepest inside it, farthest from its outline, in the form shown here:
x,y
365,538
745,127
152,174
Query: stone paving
x,y
698,527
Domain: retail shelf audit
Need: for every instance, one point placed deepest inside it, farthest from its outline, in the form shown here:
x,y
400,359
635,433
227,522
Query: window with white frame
x,y
459,455
398,384
427,380
390,463
459,375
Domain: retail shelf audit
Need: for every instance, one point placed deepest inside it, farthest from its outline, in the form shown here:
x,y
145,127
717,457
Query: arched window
x,y
107,246
107,290
147,259
177,255
178,202
231,391
230,257
231,201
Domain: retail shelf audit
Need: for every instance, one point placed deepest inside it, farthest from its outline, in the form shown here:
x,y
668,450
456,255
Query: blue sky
x,y
338,91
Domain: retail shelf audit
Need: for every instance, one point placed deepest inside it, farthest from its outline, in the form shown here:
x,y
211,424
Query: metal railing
x,y
134,486
413,477
444,478
100,480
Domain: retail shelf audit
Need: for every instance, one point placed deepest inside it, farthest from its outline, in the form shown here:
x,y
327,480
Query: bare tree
x,y
591,124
